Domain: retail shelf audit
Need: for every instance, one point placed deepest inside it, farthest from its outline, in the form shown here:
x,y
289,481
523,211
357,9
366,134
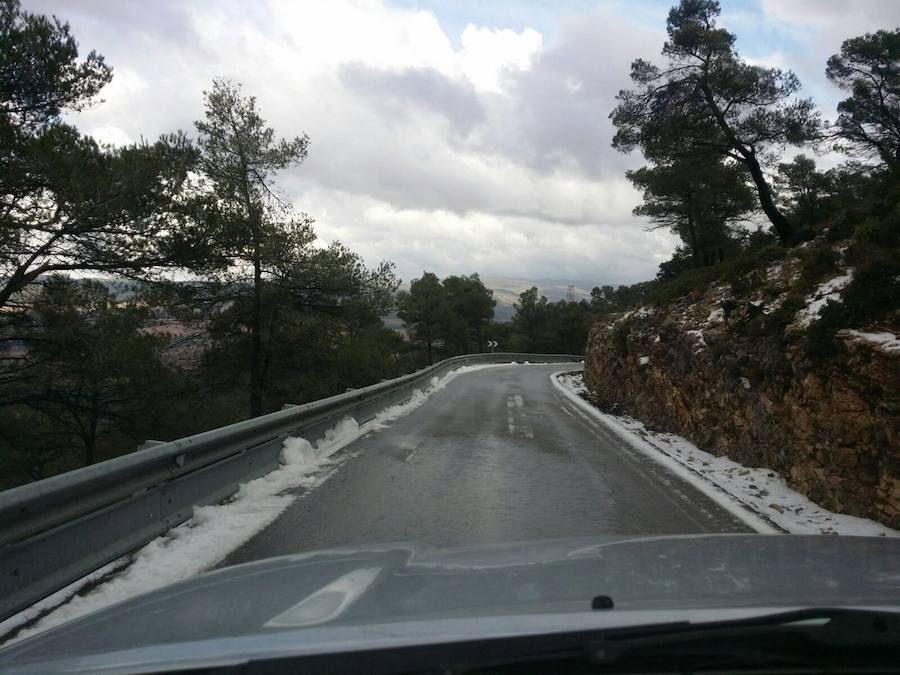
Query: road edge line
x,y
727,500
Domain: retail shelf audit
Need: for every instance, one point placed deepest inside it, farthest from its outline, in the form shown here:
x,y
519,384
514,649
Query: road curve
x,y
500,455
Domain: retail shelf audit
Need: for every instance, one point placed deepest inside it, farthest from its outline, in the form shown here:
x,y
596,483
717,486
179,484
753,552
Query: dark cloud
x,y
412,91
560,107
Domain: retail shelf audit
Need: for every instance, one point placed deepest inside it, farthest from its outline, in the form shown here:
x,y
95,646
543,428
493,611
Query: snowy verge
x,y
213,531
759,497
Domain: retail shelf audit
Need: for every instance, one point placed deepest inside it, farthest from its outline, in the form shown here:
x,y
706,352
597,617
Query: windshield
x,y
475,309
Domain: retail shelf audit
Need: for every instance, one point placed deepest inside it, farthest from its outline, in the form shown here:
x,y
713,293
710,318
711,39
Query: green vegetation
x,y
707,102
711,125
90,369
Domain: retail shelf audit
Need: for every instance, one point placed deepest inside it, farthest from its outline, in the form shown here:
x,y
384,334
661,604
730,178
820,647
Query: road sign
x,y
493,344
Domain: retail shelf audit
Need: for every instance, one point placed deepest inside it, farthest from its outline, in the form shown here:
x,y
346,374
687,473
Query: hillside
x,y
782,358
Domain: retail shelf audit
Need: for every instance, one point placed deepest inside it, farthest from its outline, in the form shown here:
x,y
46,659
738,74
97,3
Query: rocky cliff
x,y
732,368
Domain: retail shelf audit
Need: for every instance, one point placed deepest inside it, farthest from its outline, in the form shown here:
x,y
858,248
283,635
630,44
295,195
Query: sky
x,y
453,137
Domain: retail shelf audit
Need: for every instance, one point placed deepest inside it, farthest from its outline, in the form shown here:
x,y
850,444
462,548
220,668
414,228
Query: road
x,y
499,455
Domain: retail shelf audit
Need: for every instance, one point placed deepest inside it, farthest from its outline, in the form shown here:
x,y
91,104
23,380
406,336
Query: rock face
x,y
830,427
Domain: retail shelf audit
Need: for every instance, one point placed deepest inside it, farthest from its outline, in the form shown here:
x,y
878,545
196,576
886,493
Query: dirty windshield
x,y
515,306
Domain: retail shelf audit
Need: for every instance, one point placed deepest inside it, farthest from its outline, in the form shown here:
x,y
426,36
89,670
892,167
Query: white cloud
x,y
487,54
486,151
110,135
820,26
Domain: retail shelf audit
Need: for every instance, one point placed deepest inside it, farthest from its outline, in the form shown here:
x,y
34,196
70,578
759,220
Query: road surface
x,y
500,455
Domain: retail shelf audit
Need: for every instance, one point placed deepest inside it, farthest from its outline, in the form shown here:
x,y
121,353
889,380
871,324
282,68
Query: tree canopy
x,y
706,100
699,198
68,203
869,119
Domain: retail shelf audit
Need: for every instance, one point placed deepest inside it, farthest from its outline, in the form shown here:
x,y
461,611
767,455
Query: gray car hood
x,y
315,596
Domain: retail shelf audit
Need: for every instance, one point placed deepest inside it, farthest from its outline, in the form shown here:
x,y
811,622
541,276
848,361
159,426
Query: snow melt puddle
x,y
213,531
732,485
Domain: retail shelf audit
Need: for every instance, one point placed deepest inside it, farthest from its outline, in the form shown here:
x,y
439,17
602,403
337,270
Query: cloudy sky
x,y
455,137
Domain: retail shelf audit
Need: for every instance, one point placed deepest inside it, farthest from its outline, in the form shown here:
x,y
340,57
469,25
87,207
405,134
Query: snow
x,y
639,313
215,531
816,301
888,342
759,496
297,451
701,342
716,316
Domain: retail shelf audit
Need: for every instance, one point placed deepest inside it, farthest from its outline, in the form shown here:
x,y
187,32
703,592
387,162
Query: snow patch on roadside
x,y
736,487
215,531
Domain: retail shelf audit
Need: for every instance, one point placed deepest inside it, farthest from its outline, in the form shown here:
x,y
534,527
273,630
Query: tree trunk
x,y
695,245
90,438
256,336
267,355
779,222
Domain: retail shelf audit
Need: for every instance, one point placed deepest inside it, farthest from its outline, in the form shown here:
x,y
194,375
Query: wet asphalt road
x,y
498,456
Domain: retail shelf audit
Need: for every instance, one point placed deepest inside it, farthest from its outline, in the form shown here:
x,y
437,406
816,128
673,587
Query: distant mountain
x,y
506,292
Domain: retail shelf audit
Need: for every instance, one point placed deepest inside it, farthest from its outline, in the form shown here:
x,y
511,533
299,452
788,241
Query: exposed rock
x,y
831,428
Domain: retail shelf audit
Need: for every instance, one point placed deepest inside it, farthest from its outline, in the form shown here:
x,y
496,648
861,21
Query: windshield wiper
x,y
818,637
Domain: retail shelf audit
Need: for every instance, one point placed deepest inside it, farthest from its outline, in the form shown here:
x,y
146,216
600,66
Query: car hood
x,y
407,585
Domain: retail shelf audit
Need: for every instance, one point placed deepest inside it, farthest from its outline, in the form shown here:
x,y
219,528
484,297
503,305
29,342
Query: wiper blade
x,y
818,636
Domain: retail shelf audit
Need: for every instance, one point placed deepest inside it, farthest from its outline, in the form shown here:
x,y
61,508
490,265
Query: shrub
x,y
620,335
687,282
820,342
874,238
776,321
870,296
818,262
873,292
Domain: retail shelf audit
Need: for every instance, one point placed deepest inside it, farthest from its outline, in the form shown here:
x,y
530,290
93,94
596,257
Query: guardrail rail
x,y
56,531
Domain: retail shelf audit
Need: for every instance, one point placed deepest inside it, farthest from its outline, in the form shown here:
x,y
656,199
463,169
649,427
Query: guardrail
x,y
57,530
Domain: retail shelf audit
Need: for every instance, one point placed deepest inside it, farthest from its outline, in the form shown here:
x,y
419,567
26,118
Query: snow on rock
x,y
716,316
816,301
742,490
700,341
639,313
886,341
